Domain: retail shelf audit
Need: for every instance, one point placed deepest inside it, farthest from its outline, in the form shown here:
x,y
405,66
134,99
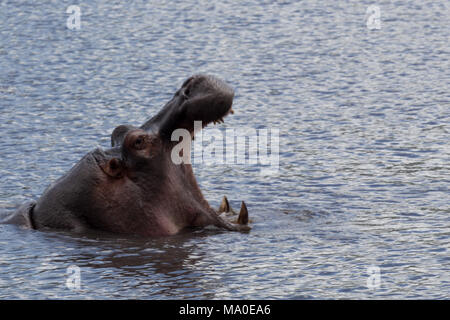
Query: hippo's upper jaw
x,y
200,98
134,187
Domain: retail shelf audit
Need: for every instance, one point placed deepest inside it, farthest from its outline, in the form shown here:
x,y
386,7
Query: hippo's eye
x,y
139,143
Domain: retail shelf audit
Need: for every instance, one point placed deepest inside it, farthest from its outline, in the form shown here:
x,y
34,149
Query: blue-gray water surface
x,y
363,116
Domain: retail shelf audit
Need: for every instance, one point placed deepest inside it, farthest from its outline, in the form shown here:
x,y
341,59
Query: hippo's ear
x,y
119,133
201,98
113,168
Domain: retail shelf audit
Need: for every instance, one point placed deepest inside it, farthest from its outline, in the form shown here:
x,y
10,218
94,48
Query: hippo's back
x,y
22,216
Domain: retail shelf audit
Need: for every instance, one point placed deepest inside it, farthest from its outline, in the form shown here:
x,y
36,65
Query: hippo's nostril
x,y
187,81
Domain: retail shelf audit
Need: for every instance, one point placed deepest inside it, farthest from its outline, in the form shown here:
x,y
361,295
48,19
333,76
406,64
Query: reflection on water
x,y
363,118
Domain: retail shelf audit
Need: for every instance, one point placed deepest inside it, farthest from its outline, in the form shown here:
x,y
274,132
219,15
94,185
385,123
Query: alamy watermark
x,y
243,146
374,279
74,20
73,281
373,17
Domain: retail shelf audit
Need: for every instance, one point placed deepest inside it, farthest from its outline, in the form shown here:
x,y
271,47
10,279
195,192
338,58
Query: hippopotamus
x,y
134,187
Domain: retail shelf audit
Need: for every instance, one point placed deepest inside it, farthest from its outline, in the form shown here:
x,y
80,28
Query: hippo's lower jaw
x,y
135,187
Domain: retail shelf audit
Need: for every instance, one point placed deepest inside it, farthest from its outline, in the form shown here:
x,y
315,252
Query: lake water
x,y
364,155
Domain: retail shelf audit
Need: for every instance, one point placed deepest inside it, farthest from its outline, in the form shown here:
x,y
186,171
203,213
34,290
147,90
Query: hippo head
x,y
134,187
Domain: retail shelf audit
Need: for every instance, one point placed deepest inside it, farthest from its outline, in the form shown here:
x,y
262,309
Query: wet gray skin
x,y
134,187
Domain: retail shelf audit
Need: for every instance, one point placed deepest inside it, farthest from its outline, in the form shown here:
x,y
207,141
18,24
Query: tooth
x,y
243,214
224,206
